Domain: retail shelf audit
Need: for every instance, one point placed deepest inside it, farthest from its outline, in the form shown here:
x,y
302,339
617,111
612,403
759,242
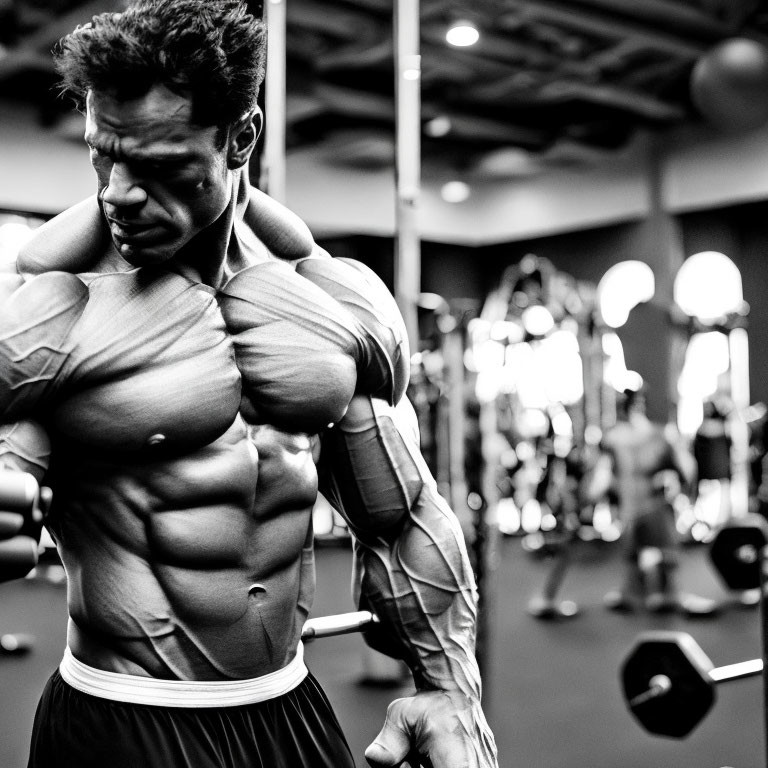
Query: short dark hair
x,y
212,50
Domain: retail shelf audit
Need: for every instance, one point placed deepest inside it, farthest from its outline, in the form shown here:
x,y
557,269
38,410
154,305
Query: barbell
x,y
735,551
669,682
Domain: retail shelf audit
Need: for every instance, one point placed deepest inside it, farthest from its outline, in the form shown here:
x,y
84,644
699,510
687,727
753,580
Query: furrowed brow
x,y
118,154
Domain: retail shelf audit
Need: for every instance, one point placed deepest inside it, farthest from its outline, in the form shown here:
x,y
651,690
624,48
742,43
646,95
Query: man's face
x,y
161,179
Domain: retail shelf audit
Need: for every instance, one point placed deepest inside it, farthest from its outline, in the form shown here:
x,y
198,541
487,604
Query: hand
x,y
440,729
21,517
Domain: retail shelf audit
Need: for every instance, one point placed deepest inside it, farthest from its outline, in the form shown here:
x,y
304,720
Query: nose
x,y
123,189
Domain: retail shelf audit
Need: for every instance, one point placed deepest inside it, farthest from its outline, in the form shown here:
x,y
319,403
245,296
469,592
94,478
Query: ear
x,y
242,138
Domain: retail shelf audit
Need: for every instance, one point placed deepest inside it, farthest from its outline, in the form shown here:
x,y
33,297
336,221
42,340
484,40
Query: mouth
x,y
131,232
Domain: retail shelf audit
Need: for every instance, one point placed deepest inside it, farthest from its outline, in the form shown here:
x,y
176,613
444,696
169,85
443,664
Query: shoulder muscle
x,y
73,241
362,293
279,228
35,323
9,283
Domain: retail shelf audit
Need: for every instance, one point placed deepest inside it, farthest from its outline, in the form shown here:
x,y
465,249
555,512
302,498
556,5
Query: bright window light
x,y
622,288
706,359
462,33
708,286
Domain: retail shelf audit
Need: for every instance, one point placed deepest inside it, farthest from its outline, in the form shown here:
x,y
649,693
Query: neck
x,y
214,255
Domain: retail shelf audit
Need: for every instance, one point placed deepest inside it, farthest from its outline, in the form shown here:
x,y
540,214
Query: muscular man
x,y
197,388
636,459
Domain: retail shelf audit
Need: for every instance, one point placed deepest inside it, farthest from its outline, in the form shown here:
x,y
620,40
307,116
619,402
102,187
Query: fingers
x,y
10,524
18,556
392,744
434,730
19,491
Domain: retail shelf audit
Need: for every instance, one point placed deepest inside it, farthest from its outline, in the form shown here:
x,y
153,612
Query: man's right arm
x,y
24,455
36,318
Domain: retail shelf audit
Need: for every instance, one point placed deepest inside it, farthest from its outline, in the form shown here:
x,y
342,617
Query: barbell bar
x,y
338,624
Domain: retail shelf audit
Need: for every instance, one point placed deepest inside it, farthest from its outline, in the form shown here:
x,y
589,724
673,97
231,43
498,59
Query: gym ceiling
x,y
550,83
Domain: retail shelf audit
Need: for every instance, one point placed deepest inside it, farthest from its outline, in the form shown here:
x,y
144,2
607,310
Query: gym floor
x,y
552,690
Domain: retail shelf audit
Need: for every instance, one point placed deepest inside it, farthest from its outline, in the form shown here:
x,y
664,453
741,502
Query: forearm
x,y
411,560
420,585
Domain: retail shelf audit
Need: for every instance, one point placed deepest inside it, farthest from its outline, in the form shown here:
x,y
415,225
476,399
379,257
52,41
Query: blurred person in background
x,y
712,452
639,460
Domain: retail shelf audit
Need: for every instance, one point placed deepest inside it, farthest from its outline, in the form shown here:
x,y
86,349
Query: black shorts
x,y
76,730
652,528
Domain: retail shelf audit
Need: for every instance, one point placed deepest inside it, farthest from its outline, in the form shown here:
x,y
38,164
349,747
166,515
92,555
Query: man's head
x,y
169,88
212,51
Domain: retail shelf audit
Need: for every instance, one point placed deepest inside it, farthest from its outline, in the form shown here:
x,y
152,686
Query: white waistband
x,y
135,689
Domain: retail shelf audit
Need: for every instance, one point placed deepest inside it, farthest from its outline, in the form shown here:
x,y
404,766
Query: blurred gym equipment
x,y
667,680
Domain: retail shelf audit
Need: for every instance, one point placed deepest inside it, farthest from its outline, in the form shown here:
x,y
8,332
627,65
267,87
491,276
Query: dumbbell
x,y
735,551
669,682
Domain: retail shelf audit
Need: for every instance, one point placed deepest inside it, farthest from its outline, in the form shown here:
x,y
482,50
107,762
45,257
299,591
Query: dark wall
x,y
375,252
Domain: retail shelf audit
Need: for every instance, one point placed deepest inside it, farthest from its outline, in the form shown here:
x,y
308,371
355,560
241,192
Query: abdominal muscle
x,y
196,567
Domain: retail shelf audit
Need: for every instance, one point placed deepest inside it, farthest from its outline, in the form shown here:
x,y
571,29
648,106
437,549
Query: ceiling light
x,y
462,33
455,191
438,126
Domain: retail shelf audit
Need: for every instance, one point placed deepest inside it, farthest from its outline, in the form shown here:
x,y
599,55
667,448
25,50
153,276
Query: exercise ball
x,y
729,85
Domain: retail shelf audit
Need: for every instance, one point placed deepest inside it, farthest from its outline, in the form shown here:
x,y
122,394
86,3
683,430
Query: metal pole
x,y
453,346
274,101
407,163
764,642
738,348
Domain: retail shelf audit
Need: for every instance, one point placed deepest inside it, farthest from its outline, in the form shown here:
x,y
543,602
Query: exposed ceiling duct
x,y
548,82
